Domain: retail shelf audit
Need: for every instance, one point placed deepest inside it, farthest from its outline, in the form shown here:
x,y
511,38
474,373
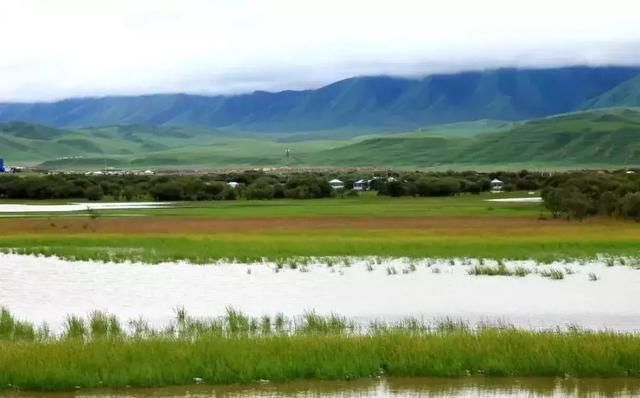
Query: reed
x,y
552,274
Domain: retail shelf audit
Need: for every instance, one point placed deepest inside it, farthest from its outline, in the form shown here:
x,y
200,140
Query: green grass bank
x,y
97,353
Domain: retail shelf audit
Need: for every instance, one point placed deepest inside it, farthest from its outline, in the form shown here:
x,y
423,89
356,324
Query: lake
x,y
47,289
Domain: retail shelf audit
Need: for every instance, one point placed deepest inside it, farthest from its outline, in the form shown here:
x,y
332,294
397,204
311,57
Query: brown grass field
x,y
475,225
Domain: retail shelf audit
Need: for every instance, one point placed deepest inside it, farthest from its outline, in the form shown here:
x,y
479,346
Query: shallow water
x,y
517,200
416,387
19,208
47,289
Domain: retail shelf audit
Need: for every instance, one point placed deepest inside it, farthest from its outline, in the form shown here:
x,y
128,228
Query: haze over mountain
x,y
375,103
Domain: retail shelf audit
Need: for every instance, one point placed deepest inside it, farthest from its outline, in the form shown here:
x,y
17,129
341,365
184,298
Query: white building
x,y
360,185
496,185
336,184
233,184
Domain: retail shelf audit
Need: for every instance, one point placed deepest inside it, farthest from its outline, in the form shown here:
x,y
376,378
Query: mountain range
x,y
375,103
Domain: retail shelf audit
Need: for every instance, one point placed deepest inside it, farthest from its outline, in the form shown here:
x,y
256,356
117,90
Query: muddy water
x,y
418,387
48,289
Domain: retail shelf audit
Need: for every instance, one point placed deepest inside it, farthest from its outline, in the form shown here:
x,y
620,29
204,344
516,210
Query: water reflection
x,y
400,388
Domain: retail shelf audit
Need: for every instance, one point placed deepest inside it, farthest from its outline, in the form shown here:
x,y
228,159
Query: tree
x,y
630,205
552,198
260,189
608,203
576,204
93,193
395,188
168,191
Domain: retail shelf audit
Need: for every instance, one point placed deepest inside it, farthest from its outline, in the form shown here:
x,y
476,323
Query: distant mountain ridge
x,y
377,102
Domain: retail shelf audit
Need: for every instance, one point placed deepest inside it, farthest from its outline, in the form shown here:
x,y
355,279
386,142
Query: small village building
x,y
496,185
233,184
336,184
148,173
361,185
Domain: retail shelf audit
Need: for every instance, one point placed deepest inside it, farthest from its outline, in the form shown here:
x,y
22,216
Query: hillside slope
x,y
626,94
27,142
591,138
607,137
368,103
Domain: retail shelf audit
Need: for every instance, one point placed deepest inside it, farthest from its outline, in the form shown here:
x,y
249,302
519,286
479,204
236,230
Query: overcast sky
x,y
51,49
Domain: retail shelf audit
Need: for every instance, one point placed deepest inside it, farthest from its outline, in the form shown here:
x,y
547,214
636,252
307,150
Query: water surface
x,y
399,388
47,289
71,207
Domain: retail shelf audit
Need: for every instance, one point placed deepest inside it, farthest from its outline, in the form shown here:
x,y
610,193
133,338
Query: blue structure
x,y
1,165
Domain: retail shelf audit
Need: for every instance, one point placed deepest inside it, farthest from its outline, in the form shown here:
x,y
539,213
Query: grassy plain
x,y
464,226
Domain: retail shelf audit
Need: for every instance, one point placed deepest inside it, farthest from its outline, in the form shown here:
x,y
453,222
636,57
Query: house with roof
x,y
361,185
336,184
496,185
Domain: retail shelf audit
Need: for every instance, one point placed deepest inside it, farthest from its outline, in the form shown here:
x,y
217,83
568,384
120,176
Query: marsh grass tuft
x,y
554,274
521,271
499,269
74,327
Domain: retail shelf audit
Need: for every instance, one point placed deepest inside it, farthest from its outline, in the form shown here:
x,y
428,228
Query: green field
x,y
462,226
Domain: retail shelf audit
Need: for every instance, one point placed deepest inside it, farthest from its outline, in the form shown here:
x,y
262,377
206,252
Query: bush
x,y
577,195
168,191
260,189
630,206
395,189
93,192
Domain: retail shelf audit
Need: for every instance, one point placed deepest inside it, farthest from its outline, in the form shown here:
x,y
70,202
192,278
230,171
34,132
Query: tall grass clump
x,y
499,269
552,274
103,325
13,329
74,327
332,324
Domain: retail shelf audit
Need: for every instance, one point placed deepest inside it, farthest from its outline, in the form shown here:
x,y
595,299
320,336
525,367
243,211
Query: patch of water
x,y
48,289
517,200
71,207
394,387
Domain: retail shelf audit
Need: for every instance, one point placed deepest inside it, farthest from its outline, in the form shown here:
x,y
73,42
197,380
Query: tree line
x,y
160,188
578,195
454,183
253,185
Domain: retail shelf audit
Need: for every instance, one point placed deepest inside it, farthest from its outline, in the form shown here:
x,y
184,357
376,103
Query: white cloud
x,y
60,48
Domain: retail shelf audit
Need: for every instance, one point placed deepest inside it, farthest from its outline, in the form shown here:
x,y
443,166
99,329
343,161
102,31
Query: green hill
x,y
590,138
626,94
605,137
32,143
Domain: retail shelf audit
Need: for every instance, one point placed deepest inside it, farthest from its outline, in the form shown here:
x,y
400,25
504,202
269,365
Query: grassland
x,y
99,353
601,138
464,226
